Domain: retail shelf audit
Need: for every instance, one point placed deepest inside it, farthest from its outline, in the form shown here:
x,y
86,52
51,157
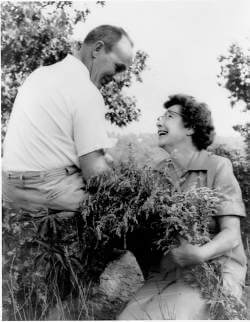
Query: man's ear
x,y
97,48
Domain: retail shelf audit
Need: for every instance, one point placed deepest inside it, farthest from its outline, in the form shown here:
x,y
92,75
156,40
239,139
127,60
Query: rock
x,y
122,278
119,282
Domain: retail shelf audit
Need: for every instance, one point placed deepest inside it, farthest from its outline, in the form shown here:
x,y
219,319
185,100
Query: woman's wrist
x,y
204,253
219,246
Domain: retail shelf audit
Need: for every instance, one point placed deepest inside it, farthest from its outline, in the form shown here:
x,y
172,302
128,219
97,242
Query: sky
x,y
183,39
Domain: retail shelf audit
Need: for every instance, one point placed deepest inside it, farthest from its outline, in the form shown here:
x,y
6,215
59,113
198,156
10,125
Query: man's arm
x,y
93,163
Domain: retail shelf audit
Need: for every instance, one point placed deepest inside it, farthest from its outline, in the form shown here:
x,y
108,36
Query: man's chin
x,y
98,84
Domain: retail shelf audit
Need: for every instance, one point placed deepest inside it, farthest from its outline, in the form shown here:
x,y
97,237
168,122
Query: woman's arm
x,y
228,238
229,213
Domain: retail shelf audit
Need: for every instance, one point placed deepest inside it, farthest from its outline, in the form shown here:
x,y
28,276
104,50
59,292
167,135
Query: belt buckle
x,y
70,170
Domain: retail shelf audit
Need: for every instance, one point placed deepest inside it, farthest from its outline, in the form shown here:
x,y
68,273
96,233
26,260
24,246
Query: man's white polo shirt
x,y
58,115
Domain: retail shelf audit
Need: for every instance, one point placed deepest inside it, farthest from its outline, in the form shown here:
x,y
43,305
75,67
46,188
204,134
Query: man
x,y
56,135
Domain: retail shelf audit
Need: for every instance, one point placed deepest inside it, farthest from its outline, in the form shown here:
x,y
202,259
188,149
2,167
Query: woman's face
x,y
171,130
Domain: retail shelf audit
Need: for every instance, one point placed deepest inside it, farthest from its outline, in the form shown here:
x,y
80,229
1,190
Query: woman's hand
x,y
187,254
227,239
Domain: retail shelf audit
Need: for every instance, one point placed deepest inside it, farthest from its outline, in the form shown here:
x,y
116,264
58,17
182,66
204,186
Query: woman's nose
x,y
158,122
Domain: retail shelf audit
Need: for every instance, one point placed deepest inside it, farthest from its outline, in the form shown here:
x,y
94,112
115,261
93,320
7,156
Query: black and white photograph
x,y
125,154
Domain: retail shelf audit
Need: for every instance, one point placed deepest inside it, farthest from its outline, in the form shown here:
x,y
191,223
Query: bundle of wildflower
x,y
116,202
182,214
130,197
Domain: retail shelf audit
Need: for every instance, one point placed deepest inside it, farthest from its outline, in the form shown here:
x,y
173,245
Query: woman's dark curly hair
x,y
197,116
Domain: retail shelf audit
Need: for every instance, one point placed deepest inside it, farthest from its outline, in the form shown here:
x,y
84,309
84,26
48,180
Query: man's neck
x,y
82,55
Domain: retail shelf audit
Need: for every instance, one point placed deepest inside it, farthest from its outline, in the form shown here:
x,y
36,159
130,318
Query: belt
x,y
40,174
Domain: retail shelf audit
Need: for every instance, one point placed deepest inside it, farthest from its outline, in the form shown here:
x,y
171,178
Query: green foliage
x,y
122,109
235,74
42,263
22,285
222,305
184,215
115,202
65,248
244,130
38,33
30,39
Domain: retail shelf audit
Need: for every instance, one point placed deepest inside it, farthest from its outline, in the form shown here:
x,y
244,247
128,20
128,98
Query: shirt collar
x,y
200,161
74,62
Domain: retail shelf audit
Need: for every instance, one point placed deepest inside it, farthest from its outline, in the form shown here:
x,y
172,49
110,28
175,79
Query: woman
x,y
185,131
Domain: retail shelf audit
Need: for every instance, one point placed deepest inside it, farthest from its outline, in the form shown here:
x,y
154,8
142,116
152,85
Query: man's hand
x,y
93,164
187,254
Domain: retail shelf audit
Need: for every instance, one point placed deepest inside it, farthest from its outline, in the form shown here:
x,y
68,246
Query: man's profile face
x,y
107,64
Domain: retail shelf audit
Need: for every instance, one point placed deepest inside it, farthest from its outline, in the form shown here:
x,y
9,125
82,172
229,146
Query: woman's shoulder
x,y
215,160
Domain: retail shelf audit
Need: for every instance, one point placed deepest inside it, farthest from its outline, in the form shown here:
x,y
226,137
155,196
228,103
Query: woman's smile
x,y
162,132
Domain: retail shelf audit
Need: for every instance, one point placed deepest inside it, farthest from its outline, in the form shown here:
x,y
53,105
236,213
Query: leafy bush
x,y
234,74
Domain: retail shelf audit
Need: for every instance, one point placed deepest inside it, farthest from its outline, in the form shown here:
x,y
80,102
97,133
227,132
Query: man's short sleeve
x,y
226,183
89,129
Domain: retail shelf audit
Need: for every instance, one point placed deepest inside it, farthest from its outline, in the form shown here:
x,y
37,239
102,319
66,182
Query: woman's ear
x,y
97,48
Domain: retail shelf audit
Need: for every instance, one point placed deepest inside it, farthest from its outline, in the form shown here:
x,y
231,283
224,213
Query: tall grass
x,y
33,290
45,307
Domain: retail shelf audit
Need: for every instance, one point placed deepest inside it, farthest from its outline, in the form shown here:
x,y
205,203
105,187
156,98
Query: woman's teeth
x,y
162,132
